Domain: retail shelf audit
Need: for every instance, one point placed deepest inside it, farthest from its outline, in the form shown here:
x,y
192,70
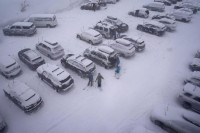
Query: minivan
x,y
43,20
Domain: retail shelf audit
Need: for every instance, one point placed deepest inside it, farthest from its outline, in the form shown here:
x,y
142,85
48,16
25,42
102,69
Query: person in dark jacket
x,y
90,76
98,79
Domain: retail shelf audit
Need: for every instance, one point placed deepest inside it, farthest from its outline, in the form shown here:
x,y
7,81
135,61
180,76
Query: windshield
x,y
57,48
30,97
90,66
64,80
36,59
11,65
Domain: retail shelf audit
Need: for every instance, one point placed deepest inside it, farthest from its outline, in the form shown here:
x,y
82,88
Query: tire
x,y
6,33
78,37
156,33
184,20
90,42
160,124
48,26
195,11
186,105
82,8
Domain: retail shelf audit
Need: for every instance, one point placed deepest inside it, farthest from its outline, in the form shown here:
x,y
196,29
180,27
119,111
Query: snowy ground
x,y
151,77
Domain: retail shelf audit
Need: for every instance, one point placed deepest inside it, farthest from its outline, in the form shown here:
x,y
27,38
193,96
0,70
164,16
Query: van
x,y
43,20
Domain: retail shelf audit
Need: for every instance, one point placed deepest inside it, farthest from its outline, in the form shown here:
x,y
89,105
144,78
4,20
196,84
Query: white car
x,y
123,47
190,97
2,124
51,49
91,36
194,78
186,10
23,96
176,120
9,67
181,16
170,24
155,6
55,77
141,129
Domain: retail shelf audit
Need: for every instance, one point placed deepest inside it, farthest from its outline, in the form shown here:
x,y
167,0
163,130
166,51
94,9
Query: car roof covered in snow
x,y
178,116
141,129
167,20
192,89
196,61
32,54
157,4
123,41
155,23
81,59
54,70
92,32
27,24
50,43
43,15
105,49
6,60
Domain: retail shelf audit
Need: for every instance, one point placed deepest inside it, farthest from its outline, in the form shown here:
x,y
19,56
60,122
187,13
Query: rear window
x,y
11,65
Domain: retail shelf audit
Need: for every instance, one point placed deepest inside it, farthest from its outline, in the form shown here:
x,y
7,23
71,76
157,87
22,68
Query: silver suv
x,y
20,28
51,49
103,55
190,97
106,29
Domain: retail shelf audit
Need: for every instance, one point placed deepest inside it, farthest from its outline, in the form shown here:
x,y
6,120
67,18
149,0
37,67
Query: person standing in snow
x,y
117,71
117,61
90,76
98,79
94,7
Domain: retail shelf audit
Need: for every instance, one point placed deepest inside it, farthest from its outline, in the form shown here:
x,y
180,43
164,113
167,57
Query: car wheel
x,y
160,124
186,105
78,36
6,33
184,20
157,33
90,42
82,8
195,11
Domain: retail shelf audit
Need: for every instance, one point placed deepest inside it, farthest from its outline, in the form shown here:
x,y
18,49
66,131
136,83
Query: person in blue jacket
x,y
117,71
90,77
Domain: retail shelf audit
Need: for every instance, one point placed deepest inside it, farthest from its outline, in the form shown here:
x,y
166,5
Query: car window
x,y
24,27
18,27
197,99
12,27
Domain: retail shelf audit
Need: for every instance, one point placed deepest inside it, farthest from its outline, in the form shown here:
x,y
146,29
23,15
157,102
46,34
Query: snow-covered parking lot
x,y
152,77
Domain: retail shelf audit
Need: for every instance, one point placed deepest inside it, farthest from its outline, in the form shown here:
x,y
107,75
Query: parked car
x,y
23,96
197,55
9,67
90,6
170,24
173,1
155,6
141,129
3,124
20,28
187,5
79,64
43,20
181,16
143,13
102,55
176,120
152,27
55,76
51,49
195,65
166,2
190,97
123,47
160,16
186,10
106,29
122,27
194,78
91,36
137,42
30,58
